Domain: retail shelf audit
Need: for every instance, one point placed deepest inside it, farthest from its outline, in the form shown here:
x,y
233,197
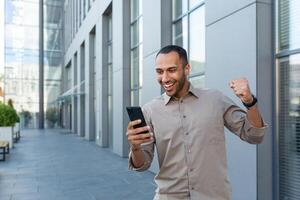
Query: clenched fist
x,y
241,89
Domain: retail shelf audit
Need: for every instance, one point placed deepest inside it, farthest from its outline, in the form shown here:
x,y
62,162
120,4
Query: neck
x,y
185,90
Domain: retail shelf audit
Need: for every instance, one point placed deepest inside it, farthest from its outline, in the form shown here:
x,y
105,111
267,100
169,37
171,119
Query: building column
x,y
87,87
80,97
266,96
101,70
74,97
41,64
121,74
89,100
236,34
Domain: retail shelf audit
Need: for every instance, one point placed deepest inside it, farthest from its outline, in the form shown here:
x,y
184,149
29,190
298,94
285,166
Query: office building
x,y
109,49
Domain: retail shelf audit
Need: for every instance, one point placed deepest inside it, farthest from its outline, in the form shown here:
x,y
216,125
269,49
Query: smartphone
x,y
136,113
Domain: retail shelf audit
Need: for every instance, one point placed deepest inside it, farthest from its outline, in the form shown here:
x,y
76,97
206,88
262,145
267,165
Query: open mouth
x,y
168,86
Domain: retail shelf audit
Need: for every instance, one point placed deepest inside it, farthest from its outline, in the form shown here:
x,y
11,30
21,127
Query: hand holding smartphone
x,y
135,113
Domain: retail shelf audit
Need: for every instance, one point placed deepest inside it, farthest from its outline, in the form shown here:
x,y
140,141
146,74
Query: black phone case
x,y
136,113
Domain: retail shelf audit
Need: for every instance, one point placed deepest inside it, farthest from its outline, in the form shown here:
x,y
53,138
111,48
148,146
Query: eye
x,y
172,69
159,71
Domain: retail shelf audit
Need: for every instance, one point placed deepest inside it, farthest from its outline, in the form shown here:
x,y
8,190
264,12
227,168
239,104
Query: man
x,y
186,125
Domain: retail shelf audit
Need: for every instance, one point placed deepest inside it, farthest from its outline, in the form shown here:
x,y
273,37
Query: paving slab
x,y
54,164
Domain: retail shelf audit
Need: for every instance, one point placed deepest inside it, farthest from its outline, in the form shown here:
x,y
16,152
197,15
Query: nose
x,y
165,77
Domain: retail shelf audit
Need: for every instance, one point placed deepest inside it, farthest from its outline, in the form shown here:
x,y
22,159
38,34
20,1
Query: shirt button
x,y
189,150
191,170
192,188
184,116
181,101
187,133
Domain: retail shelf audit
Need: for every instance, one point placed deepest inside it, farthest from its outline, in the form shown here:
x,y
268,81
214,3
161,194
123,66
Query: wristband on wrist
x,y
249,105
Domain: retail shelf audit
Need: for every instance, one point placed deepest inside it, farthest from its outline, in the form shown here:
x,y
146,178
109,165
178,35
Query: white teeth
x,y
168,85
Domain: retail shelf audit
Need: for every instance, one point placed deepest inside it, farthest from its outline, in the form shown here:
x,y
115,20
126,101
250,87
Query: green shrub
x,y
11,104
52,115
8,115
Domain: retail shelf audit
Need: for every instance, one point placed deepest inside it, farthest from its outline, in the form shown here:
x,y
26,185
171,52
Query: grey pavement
x,y
55,165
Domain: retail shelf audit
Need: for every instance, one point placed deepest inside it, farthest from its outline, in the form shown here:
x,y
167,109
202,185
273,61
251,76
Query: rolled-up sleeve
x,y
147,148
235,119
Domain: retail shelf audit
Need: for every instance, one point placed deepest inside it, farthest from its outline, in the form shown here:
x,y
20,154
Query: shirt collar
x,y
192,90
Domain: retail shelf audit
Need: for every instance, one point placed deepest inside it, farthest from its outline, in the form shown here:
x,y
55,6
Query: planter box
x,y
6,134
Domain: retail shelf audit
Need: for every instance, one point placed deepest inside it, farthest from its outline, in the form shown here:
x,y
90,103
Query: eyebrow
x,y
176,66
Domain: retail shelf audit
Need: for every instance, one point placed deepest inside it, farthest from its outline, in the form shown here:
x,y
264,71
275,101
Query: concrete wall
x,y
232,51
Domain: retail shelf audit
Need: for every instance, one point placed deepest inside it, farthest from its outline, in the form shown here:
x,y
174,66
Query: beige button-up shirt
x,y
190,142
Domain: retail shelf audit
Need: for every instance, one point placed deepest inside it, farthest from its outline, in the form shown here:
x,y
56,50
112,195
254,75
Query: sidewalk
x,y
51,165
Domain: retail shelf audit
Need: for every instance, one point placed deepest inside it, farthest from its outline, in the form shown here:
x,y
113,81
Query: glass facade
x,y
53,56
288,92
22,55
189,32
136,64
21,67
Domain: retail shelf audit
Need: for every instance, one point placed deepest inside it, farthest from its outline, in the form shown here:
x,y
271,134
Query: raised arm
x,y
242,90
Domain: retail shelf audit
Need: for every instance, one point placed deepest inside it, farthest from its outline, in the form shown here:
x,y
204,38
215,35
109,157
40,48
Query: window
x,y
288,25
80,12
107,71
84,8
288,102
136,51
189,32
68,76
110,80
89,4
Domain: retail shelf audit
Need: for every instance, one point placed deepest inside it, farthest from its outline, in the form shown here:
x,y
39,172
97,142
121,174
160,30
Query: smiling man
x,y
186,125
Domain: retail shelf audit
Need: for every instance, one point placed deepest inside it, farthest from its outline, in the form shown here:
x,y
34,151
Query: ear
x,y
187,69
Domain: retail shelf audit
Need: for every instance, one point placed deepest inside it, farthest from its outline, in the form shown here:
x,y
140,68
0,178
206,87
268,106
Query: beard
x,y
179,84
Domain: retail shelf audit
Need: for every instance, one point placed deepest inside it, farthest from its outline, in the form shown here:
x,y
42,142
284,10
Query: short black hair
x,y
174,48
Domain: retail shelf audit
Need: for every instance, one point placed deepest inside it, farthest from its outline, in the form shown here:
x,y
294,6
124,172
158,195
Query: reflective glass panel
x,y
134,34
109,53
179,7
21,13
134,4
140,66
135,97
194,3
21,54
109,27
135,68
197,41
289,127
288,25
180,33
